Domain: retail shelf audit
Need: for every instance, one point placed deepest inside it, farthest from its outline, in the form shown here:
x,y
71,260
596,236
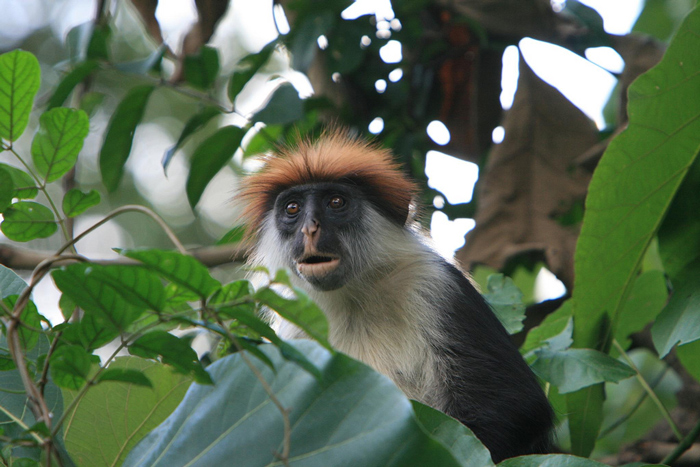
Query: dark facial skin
x,y
311,219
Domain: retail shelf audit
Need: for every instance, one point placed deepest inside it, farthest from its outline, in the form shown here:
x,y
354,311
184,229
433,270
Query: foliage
x,y
302,401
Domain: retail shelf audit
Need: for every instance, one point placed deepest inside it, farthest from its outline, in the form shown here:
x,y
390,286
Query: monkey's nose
x,y
311,226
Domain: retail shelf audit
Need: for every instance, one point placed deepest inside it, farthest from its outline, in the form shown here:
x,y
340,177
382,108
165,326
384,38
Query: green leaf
x,y
679,322
110,419
300,311
195,123
284,106
507,302
265,139
679,235
234,235
27,220
551,460
88,287
67,306
201,69
19,82
76,202
70,365
136,284
120,135
689,355
304,39
209,158
30,316
6,361
661,18
551,326
459,439
13,399
7,189
25,187
632,188
356,415
10,282
90,102
60,138
70,81
98,47
646,300
247,67
183,270
173,351
134,377
574,369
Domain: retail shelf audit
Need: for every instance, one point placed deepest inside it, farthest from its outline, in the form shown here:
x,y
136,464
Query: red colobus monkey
x,y
337,213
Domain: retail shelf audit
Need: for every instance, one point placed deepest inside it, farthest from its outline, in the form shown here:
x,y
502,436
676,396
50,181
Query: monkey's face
x,y
315,222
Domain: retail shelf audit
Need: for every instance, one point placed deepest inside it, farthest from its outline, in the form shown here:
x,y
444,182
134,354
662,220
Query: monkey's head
x,y
321,208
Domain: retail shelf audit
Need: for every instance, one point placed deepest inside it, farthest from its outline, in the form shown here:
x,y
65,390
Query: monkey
x,y
339,212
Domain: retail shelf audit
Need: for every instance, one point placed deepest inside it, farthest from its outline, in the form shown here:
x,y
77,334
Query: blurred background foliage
x,y
183,94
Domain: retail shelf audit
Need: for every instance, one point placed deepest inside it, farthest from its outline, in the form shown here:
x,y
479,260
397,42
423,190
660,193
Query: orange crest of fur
x,y
334,157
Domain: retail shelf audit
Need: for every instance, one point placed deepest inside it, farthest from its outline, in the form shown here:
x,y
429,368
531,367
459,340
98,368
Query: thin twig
x,y
129,208
683,446
652,395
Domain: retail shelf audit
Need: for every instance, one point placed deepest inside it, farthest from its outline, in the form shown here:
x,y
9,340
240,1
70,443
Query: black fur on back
x,y
489,387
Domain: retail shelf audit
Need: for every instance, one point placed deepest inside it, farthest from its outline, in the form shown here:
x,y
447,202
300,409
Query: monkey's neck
x,y
387,321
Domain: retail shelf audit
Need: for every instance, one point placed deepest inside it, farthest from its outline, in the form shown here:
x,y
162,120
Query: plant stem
x,y
649,391
129,208
683,446
19,421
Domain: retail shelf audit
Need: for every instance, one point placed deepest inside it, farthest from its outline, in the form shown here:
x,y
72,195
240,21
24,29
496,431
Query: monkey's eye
x,y
292,208
336,202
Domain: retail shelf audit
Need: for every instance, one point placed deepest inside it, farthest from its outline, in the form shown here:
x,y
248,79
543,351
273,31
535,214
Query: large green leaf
x,y
356,417
60,138
507,302
10,282
629,194
553,460
30,317
459,439
75,202
183,270
19,81
86,285
70,81
300,311
679,322
247,67
113,416
645,302
7,189
196,122
13,398
70,365
120,135
209,158
24,185
574,369
552,325
27,220
201,69
173,351
284,106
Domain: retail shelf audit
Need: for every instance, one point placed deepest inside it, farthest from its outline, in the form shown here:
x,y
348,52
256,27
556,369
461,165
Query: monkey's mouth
x,y
317,264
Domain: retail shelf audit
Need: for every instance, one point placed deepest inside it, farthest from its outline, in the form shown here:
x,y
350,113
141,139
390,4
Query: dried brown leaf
x,y
530,180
